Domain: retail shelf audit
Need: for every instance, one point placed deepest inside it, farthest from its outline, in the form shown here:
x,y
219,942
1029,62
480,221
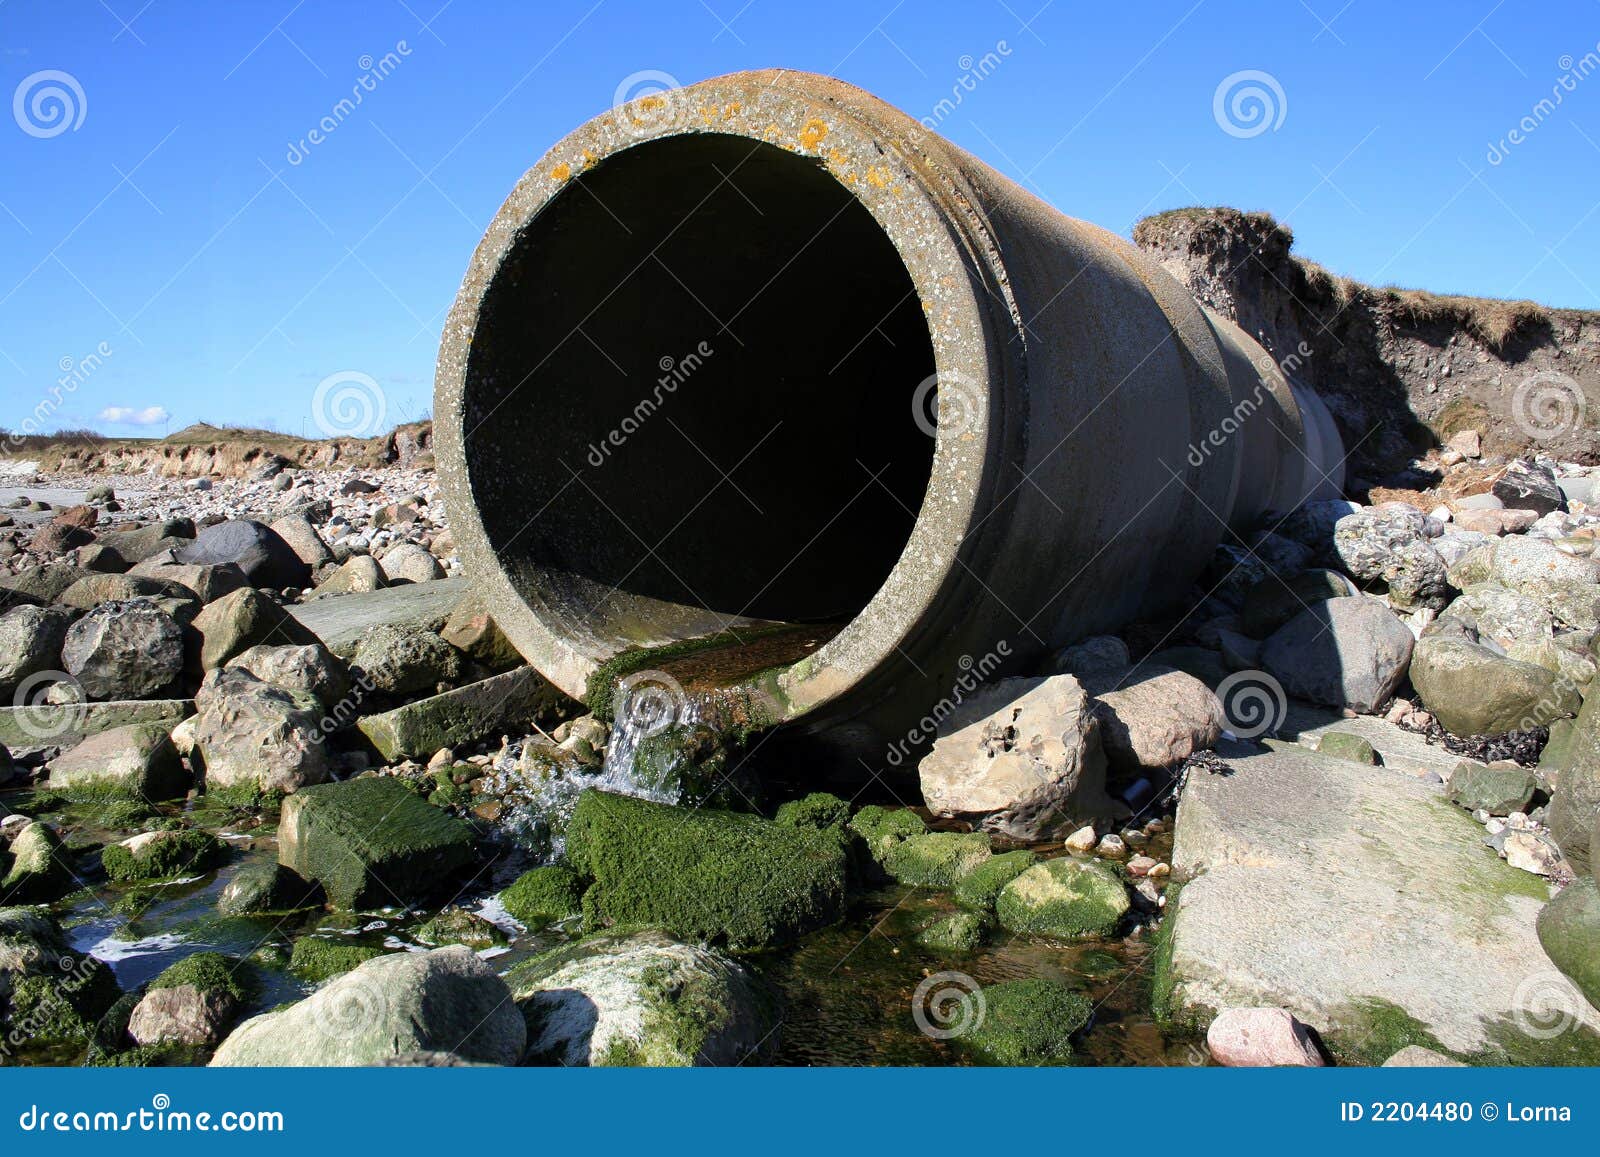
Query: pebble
x,y
1111,847
1082,840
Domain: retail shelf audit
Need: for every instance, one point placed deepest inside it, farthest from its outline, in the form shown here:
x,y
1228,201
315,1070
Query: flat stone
x,y
1339,891
137,760
502,704
1260,1038
340,620
67,723
1399,749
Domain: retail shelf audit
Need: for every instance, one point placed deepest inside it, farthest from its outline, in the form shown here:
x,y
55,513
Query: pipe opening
x,y
690,390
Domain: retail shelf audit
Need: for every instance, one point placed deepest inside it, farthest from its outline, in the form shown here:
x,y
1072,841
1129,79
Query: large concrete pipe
x,y
766,350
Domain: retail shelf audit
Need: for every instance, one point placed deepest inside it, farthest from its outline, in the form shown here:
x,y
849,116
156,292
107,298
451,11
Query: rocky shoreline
x,y
276,790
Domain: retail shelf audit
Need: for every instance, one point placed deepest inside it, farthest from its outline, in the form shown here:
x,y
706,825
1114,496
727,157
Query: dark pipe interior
x,y
743,481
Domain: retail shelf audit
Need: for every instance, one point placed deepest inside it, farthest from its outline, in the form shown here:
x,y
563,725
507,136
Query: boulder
x,y
164,854
642,1000
471,630
307,667
500,705
1347,745
262,886
42,584
125,650
1575,803
1496,790
1353,897
244,619
370,842
53,994
57,537
207,583
1260,1038
357,574
1561,583
936,859
40,870
1065,899
265,558
94,589
30,642
1472,690
67,722
704,875
1101,656
1503,615
1019,756
191,1003
341,620
542,896
1569,929
1392,546
1273,601
1155,717
136,761
456,925
139,543
303,539
1345,652
410,563
405,660
446,1000
258,737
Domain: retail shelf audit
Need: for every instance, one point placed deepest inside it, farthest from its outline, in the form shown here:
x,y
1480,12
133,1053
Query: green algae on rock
x,y
543,896
1065,899
1027,1022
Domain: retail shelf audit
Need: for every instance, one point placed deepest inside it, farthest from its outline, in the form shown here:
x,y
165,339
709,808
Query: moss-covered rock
x,y
702,874
1348,745
370,842
1064,898
955,934
881,828
642,1000
1569,929
206,971
691,761
316,958
39,870
819,810
936,859
137,761
544,895
458,926
1028,1022
191,1003
53,994
264,886
162,855
980,888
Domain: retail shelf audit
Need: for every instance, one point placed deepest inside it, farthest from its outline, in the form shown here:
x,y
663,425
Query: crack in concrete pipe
x,y
766,350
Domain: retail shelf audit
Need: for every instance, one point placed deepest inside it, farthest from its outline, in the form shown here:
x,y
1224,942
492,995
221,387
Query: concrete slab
x,y
339,620
63,725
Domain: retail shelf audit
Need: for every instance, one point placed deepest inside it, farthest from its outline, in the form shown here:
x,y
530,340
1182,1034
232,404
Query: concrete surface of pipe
x,y
765,349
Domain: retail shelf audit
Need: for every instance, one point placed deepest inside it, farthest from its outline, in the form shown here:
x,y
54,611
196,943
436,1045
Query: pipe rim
x,y
872,150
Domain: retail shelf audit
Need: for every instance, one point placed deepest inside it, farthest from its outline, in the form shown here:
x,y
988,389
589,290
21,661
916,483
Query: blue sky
x,y
166,224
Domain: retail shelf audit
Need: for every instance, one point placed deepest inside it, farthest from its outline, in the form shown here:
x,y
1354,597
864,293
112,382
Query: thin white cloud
x,y
128,416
